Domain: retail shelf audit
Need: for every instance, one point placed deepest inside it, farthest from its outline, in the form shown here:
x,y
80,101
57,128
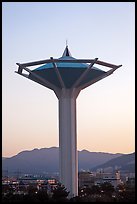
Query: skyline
x,y
30,111
30,150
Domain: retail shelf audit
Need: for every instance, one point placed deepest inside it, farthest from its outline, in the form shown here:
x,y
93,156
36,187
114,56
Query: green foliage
x,y
107,188
103,193
95,189
60,193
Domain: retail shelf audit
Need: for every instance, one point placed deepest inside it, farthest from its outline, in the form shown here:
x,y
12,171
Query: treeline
x,y
103,193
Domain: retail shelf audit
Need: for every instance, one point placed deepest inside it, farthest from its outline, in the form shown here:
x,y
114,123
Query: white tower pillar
x,y
68,160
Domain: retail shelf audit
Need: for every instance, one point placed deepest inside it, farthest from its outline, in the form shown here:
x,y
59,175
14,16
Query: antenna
x,y
66,43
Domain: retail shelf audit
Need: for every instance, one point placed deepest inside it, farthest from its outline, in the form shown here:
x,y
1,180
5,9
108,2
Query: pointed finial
x,y
66,51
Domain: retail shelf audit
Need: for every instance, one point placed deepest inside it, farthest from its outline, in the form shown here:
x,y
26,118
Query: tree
x,y
107,188
95,189
60,193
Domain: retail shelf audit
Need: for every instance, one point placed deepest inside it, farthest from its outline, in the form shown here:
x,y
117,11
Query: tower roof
x,y
66,71
66,56
70,72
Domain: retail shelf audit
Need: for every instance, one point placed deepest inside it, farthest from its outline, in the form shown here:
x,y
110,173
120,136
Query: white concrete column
x,y
68,162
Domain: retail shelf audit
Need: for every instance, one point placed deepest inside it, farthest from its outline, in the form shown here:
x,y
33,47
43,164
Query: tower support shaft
x,y
68,163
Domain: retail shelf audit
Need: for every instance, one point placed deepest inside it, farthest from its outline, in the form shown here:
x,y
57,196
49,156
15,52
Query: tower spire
x,y
66,51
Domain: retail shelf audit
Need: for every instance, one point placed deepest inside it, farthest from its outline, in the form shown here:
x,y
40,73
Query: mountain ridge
x,y
123,163
47,160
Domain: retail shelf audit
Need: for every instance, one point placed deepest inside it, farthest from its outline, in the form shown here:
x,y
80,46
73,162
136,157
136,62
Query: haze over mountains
x,y
47,160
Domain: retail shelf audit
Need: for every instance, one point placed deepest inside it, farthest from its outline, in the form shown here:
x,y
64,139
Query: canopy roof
x,y
66,56
69,71
63,64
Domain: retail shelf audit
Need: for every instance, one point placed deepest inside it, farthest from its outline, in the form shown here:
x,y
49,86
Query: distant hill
x,y
47,160
87,159
125,163
33,161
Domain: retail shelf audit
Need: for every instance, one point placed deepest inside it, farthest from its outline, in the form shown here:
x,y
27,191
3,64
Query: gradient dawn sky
x,y
34,31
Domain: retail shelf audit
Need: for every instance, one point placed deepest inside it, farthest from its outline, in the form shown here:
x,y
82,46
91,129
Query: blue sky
x,y
34,31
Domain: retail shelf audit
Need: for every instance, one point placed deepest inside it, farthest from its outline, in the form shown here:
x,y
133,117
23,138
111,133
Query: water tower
x,y
67,76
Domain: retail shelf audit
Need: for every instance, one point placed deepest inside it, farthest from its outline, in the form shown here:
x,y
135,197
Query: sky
x,y
33,31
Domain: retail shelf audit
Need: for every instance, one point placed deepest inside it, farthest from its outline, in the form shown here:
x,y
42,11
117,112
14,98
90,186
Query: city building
x,y
111,177
85,179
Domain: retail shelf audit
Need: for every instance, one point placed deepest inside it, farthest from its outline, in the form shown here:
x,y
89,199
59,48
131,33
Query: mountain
x,y
87,159
124,163
33,161
47,160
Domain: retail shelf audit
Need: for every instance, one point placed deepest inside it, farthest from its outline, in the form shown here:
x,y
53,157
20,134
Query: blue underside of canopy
x,y
69,76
